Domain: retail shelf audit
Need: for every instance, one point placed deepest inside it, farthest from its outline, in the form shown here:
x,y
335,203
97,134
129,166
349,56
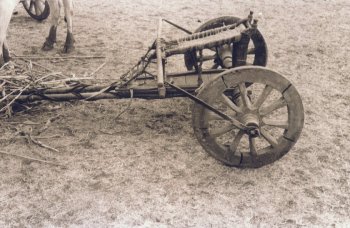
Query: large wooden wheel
x,y
257,48
37,9
270,108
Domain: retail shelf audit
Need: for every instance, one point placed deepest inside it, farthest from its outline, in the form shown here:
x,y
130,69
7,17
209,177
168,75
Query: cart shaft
x,y
151,93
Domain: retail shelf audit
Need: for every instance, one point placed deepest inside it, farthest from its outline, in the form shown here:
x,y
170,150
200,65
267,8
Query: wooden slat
x,y
160,61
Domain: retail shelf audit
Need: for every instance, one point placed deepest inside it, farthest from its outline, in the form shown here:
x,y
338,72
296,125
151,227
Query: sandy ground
x,y
145,168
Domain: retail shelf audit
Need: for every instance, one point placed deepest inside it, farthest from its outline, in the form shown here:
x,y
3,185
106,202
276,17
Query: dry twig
x,y
98,68
57,57
41,144
129,105
48,122
31,159
20,91
35,137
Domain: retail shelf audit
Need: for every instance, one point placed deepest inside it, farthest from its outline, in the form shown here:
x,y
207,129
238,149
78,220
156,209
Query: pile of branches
x,y
26,75
23,76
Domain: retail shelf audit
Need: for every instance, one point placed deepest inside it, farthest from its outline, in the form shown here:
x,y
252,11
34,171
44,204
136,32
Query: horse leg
x,y
2,60
5,52
6,9
55,17
68,11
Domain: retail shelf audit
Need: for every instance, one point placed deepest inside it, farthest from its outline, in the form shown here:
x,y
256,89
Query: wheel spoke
x,y
252,147
222,130
269,138
264,94
41,5
207,57
245,99
26,4
31,6
37,9
230,104
236,141
215,66
276,123
280,103
213,116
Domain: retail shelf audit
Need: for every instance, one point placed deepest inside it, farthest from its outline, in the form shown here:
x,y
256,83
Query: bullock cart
x,y
244,114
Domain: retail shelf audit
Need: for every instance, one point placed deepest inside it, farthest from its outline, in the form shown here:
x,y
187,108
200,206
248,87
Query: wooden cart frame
x,y
244,114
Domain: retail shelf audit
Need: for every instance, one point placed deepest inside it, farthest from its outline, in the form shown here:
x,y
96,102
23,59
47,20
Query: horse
x,y
6,10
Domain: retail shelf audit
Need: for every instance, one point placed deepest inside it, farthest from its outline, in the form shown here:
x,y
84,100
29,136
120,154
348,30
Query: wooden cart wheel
x,y
37,9
270,106
257,49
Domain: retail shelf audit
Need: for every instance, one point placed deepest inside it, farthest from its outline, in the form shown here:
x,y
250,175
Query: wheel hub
x,y
253,131
251,120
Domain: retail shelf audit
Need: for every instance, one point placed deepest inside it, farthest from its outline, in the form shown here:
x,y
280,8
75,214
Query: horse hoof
x,y
6,55
69,44
2,61
47,46
68,48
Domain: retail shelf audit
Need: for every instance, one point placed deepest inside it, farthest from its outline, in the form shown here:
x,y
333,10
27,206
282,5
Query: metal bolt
x,y
254,132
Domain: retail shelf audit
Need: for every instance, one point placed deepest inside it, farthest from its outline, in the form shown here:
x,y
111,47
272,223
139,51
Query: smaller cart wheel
x,y
270,107
37,9
257,49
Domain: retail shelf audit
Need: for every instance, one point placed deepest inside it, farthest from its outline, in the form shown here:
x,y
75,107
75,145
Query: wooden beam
x,y
160,61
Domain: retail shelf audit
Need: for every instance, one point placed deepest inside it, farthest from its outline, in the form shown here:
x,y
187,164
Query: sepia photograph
x,y
177,113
